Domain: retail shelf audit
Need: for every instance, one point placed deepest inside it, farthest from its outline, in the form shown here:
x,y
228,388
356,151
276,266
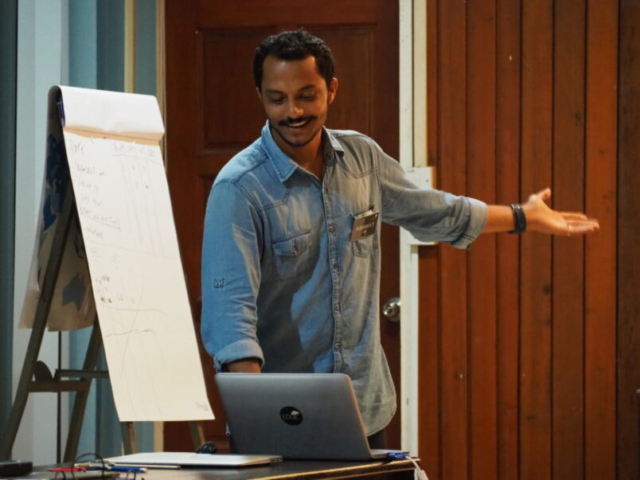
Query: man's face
x,y
296,99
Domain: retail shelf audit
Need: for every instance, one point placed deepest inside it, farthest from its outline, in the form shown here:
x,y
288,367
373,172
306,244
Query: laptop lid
x,y
296,415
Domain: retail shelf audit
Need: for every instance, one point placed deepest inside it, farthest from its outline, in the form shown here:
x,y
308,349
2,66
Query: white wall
x,y
42,62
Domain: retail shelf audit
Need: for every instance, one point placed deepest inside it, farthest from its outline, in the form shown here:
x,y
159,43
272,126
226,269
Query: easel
x,y
44,381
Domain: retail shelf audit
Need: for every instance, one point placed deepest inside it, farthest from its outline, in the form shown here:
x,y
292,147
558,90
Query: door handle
x,y
391,309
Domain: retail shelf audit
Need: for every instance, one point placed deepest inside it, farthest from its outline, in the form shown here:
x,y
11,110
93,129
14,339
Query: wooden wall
x,y
529,345
628,405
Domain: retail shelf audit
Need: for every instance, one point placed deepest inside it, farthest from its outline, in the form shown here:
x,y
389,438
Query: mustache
x,y
291,121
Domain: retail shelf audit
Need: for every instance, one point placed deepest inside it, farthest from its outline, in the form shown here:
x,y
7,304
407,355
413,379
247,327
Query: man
x,y
291,264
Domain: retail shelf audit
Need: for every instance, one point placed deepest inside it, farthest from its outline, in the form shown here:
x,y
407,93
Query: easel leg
x,y
197,434
22,393
39,323
80,402
128,438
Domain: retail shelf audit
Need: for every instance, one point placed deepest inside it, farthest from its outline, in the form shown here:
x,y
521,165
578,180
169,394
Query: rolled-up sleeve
x,y
231,253
429,215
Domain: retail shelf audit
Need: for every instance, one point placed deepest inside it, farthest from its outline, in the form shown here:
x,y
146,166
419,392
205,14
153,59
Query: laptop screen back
x,y
296,415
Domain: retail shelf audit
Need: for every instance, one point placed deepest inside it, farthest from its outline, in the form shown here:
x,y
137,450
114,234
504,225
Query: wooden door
x,y
213,112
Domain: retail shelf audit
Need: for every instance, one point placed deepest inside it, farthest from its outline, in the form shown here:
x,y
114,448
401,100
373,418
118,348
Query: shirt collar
x,y
282,163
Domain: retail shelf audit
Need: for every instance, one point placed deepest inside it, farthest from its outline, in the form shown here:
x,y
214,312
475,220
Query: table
x,y
291,469
288,469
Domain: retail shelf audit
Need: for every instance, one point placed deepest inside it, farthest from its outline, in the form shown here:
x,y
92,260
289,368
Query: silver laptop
x,y
311,416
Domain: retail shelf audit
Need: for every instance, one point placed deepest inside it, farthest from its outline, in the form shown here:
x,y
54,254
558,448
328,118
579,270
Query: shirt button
x,y
332,228
336,307
338,345
334,268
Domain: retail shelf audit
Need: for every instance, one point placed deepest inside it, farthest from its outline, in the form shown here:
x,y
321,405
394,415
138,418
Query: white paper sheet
x,y
131,246
125,114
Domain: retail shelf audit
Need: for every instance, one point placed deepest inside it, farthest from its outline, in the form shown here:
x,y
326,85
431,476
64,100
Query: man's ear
x,y
259,93
333,89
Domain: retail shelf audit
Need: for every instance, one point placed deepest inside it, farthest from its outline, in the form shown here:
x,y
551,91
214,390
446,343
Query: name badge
x,y
364,224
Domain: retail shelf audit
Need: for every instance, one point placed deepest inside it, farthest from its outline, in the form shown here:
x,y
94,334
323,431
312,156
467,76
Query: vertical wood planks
x,y
628,433
533,319
429,405
453,177
430,391
600,291
508,64
535,278
568,253
481,175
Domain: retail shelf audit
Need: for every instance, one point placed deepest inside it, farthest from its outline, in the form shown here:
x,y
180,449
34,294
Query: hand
x,y
541,218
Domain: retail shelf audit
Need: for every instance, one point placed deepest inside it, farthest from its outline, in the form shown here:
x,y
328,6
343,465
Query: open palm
x,y
541,218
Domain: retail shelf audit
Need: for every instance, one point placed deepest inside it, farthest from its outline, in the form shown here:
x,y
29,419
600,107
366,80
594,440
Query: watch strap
x,y
519,218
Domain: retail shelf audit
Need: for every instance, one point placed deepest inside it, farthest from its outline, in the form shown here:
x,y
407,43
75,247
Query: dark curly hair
x,y
294,45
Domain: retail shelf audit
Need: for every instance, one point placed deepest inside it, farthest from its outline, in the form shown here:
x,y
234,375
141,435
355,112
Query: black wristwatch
x,y
519,218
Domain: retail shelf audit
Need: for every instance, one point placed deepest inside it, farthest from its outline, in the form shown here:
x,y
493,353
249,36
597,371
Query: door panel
x,y
231,114
213,112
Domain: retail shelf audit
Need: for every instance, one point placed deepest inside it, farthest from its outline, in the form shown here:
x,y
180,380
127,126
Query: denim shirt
x,y
282,281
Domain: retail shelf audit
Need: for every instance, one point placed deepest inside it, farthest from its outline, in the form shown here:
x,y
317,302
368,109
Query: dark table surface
x,y
297,469
288,469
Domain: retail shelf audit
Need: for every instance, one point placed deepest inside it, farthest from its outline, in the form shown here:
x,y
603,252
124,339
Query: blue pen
x,y
115,468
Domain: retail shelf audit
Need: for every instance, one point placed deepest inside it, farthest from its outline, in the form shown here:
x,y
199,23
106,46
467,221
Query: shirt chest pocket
x,y
364,246
294,256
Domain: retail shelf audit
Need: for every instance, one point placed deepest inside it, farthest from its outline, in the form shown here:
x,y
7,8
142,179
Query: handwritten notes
x,y
138,283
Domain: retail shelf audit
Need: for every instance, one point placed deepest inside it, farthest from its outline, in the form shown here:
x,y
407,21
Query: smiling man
x,y
291,258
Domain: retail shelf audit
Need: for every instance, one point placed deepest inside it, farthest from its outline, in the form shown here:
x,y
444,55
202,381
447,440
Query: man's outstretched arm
x,y
539,218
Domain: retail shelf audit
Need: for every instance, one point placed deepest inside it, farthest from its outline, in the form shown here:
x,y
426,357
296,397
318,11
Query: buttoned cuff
x,y
237,351
478,212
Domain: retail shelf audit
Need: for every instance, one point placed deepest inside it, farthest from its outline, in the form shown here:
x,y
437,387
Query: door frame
x,y
413,156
